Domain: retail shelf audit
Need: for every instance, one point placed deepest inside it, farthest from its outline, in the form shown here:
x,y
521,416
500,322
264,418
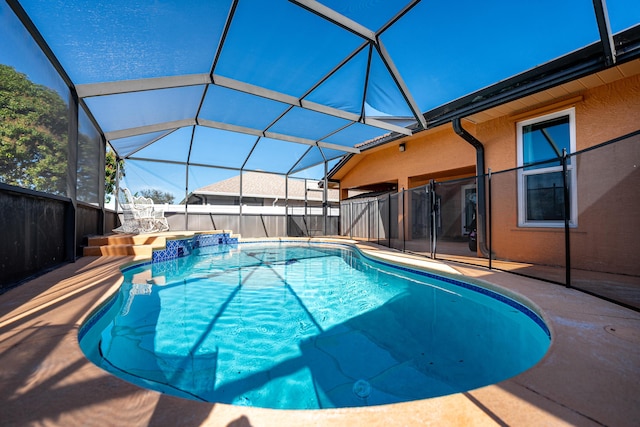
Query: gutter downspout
x,y
481,208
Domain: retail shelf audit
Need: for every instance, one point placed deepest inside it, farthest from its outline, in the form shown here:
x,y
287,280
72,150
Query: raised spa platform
x,y
144,245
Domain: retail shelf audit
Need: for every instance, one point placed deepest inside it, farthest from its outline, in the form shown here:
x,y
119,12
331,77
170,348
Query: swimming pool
x,y
307,326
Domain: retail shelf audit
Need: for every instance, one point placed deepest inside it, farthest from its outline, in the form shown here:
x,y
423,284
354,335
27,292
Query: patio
x,y
588,377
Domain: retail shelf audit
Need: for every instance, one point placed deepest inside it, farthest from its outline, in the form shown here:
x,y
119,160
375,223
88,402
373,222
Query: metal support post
x,y
102,161
286,204
325,199
567,218
389,219
434,218
71,208
404,225
117,201
351,219
240,207
186,199
490,232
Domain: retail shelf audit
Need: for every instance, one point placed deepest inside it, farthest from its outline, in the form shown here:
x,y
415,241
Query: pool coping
x,y
588,377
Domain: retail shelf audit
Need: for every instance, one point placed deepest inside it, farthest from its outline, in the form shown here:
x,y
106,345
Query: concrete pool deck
x,y
590,376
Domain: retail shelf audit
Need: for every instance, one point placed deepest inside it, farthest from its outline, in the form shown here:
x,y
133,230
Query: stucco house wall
x,y
607,178
602,114
439,153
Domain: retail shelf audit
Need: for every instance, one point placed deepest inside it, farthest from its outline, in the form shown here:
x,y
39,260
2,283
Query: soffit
x,y
558,93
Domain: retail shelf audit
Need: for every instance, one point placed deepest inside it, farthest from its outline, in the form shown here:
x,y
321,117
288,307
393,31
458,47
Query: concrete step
x,y
127,239
136,244
118,250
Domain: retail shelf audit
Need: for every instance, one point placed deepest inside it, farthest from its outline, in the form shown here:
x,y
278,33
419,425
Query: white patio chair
x,y
140,215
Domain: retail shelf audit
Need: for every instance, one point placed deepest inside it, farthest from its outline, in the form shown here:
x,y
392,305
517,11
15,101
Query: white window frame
x,y
571,168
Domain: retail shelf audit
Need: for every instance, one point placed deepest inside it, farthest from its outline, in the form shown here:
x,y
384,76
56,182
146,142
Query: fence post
x,y
378,220
389,219
434,218
240,206
368,223
325,199
567,217
186,199
404,225
490,232
351,219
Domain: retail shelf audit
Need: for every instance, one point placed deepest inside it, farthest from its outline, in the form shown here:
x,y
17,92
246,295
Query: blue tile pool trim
x,y
183,247
95,317
475,288
178,248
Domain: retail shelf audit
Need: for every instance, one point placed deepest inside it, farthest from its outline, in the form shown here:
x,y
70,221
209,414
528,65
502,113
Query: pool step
x,y
124,244
127,239
118,250
141,245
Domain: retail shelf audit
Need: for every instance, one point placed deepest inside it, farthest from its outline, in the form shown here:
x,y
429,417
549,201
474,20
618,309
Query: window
x,y
540,184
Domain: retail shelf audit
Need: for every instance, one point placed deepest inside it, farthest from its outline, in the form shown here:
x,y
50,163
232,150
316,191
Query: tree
x,y
110,171
158,197
34,134
34,126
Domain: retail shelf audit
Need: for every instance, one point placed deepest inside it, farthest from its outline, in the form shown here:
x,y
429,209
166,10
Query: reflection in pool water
x,y
307,326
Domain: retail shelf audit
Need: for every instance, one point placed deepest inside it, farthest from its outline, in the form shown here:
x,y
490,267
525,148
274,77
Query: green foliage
x,y
34,128
88,173
110,171
158,197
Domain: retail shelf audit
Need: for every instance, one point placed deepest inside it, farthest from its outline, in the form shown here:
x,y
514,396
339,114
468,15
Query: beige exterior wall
x,y
601,241
602,114
433,154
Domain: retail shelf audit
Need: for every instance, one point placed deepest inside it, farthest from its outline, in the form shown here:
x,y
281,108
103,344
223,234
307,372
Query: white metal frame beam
x,y
126,86
273,135
292,100
402,86
113,88
604,27
373,38
229,127
153,141
337,18
125,133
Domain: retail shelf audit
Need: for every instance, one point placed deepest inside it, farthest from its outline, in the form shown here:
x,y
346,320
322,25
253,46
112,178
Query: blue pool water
x,y
311,326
